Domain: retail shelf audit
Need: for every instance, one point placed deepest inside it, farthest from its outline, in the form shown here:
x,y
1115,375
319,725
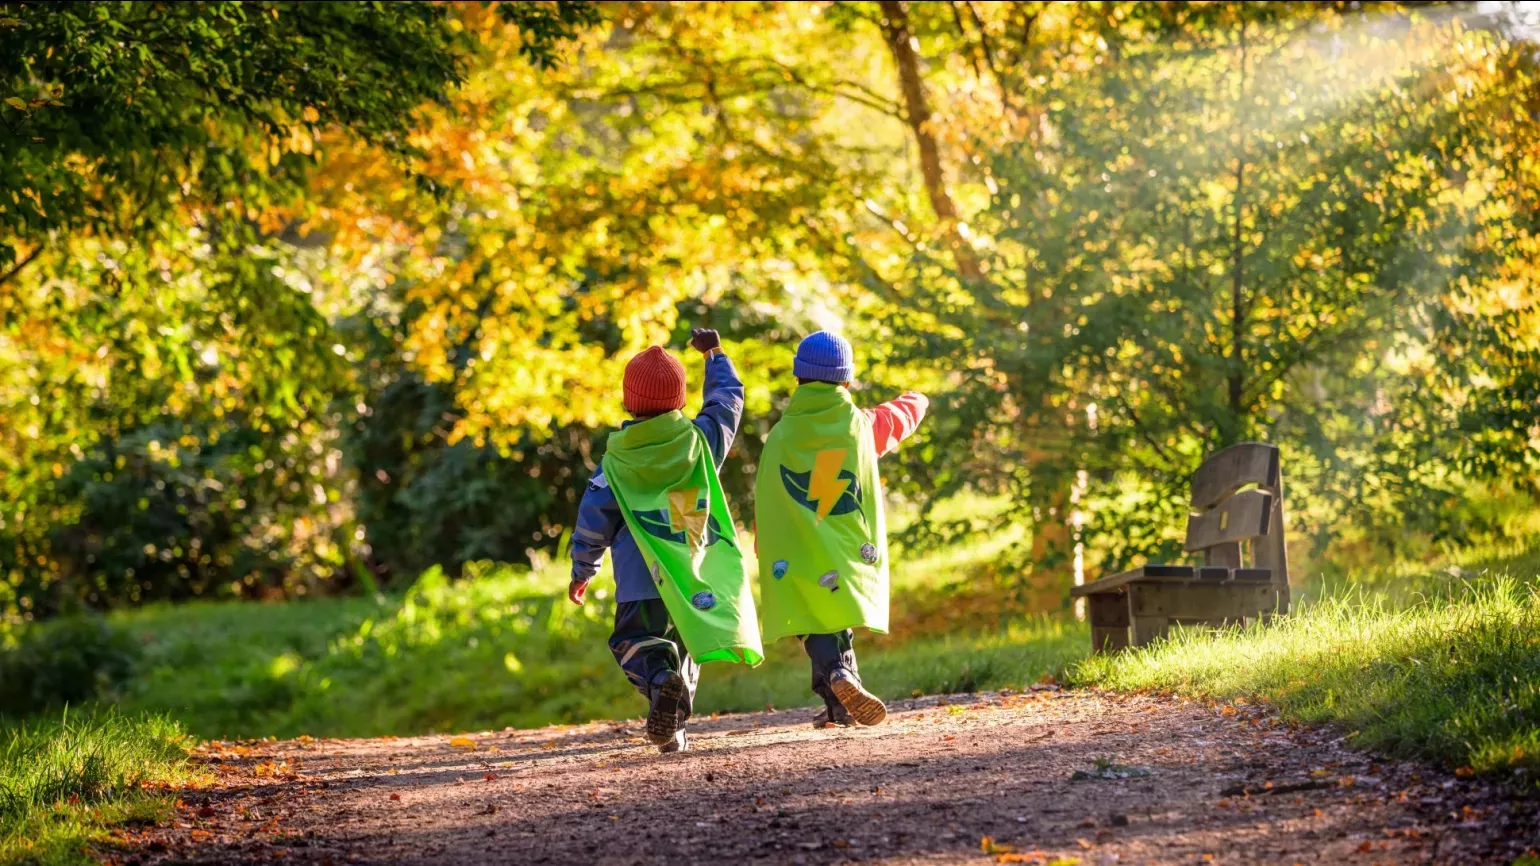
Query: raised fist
x,y
704,340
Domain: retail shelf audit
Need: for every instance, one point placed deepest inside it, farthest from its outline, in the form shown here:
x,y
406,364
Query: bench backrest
x,y
1225,517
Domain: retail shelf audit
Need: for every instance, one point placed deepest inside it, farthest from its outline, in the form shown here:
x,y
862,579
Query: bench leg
x,y
1148,628
1109,621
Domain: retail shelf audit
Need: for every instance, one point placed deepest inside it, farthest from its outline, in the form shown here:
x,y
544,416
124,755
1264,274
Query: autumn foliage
x,y
327,294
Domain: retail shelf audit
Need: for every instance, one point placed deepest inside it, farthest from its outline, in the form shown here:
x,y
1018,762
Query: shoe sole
x,y
862,705
663,718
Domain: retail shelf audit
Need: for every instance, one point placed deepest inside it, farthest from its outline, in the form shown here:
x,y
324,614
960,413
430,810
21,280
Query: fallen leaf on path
x,y
1084,844
1022,857
463,743
989,846
395,796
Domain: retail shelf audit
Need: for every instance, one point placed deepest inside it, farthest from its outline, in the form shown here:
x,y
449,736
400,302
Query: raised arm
x,y
723,390
896,420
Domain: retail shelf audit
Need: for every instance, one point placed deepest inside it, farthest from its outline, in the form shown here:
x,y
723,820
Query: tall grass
x,y
64,782
1452,675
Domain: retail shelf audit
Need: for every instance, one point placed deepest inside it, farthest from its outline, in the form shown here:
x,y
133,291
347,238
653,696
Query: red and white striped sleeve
x,y
897,419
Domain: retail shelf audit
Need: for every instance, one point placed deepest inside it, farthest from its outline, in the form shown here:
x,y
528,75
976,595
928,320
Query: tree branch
x,y
21,265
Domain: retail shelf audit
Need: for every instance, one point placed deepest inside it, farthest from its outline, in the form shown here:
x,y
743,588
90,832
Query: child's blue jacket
x,y
600,525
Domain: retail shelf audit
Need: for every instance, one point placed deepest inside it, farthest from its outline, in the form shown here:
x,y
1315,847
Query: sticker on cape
x,y
869,553
703,601
825,491
830,581
659,524
779,568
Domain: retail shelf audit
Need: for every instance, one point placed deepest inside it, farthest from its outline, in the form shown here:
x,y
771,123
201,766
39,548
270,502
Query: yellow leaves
x,y
275,770
465,743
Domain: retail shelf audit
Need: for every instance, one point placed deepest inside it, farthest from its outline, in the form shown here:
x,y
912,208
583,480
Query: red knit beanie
x,y
654,383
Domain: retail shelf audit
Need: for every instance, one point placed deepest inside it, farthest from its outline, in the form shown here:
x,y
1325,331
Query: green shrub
x,y
67,661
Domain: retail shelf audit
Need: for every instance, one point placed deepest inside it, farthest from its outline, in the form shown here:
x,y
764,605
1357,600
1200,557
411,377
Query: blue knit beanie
x,y
825,357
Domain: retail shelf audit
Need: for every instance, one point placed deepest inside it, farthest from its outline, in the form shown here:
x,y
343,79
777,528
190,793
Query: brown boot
x,y
865,707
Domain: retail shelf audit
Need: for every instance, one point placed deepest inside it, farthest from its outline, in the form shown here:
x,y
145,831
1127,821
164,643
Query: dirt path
x,y
928,786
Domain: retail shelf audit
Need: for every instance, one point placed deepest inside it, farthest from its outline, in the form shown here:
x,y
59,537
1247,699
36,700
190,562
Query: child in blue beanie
x,y
821,543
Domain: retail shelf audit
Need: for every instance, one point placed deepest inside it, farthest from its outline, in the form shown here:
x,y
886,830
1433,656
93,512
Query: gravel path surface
x,y
966,779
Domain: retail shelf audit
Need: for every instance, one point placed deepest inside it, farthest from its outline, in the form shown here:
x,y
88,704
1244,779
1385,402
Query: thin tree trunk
x,y
1237,374
1052,542
900,40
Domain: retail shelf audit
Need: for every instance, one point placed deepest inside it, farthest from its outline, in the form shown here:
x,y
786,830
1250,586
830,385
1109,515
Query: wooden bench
x,y
1245,570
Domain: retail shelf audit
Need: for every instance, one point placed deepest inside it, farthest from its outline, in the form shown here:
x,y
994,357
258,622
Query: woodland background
x,y
303,299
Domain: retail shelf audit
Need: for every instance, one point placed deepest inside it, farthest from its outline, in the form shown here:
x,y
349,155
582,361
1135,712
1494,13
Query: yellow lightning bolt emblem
x,y
825,487
686,515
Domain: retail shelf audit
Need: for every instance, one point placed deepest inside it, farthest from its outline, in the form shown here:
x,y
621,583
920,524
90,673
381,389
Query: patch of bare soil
x,y
1042,777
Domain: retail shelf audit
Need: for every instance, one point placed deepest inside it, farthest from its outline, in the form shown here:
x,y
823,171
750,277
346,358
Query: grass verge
x,y
505,648
65,784
502,649
1450,674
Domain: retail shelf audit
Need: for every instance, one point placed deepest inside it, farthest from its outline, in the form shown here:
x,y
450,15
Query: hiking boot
x,y
668,693
833,716
679,743
863,706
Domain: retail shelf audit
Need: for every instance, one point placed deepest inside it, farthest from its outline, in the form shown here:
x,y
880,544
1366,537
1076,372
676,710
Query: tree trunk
x,y
900,40
1052,542
1237,374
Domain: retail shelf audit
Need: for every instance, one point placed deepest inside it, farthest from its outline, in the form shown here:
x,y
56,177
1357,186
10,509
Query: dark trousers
x,y
830,653
647,646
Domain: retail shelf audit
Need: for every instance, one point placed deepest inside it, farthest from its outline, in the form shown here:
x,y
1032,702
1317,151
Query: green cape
x,y
823,546
667,487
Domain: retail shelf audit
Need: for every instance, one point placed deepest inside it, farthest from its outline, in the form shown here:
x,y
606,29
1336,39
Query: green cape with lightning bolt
x,y
667,487
822,544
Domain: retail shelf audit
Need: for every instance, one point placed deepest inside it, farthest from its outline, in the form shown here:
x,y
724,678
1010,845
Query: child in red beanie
x,y
645,642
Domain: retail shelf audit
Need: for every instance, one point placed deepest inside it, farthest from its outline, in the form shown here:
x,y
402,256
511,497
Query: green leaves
x,y
148,88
